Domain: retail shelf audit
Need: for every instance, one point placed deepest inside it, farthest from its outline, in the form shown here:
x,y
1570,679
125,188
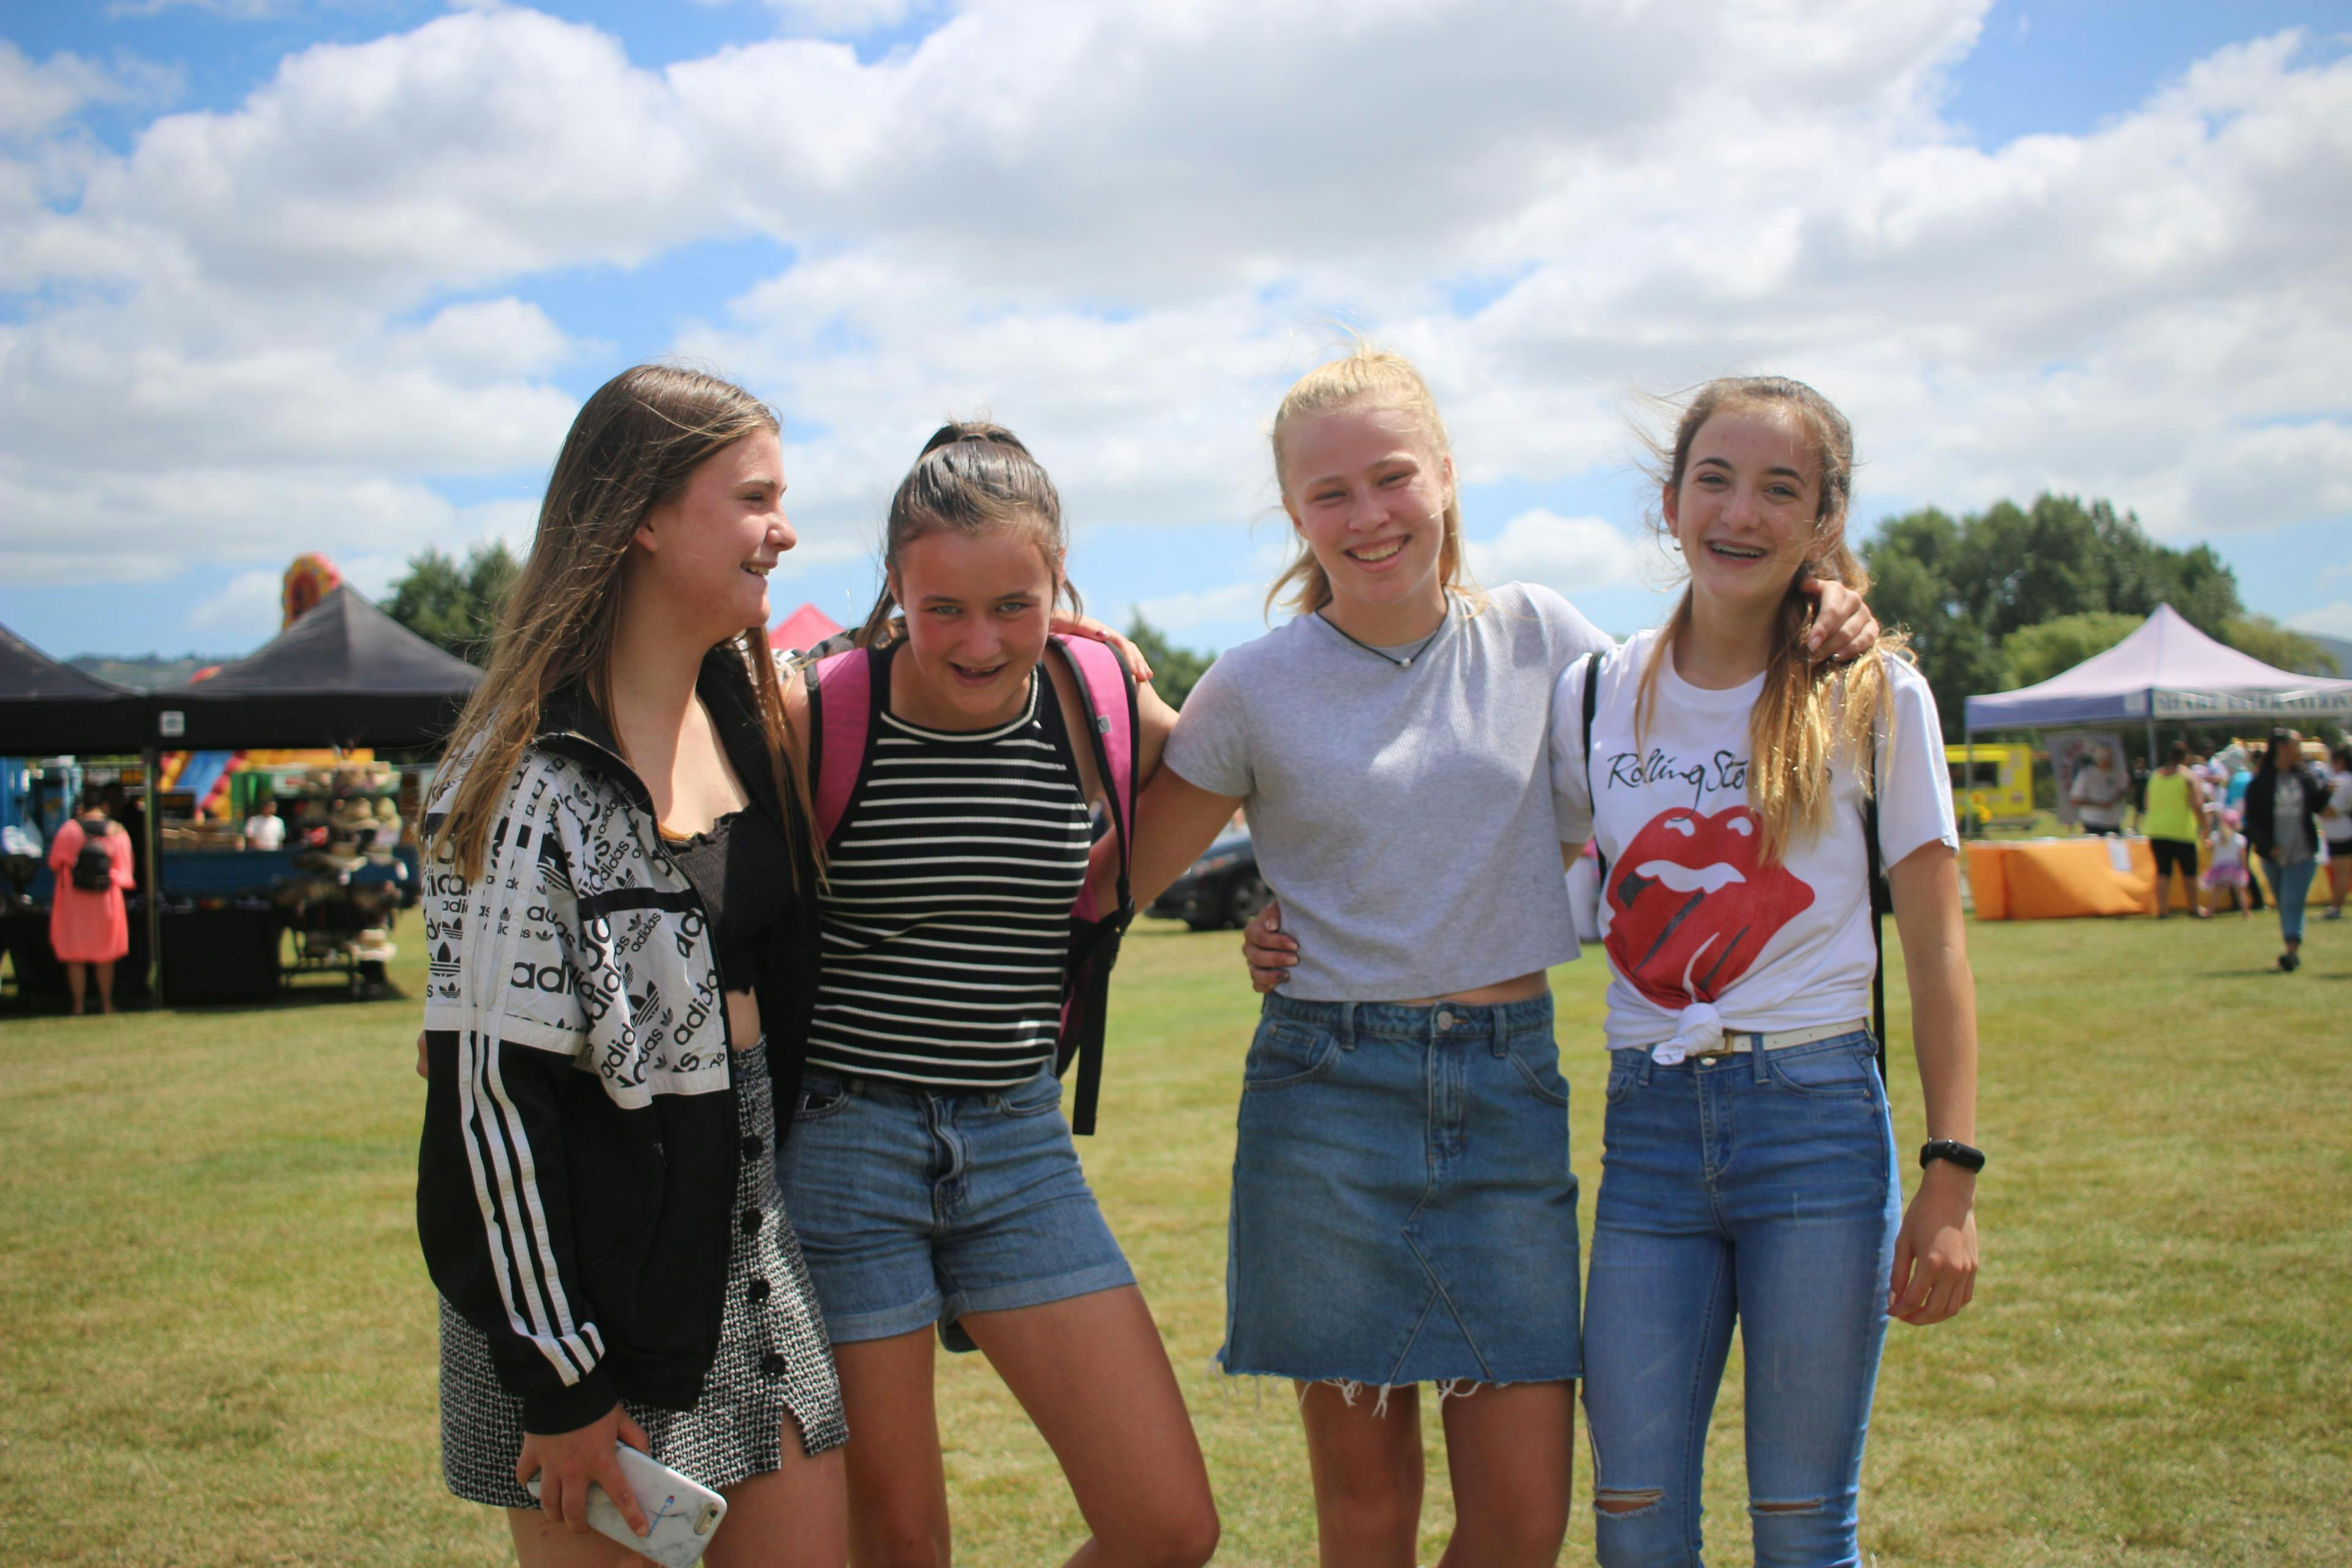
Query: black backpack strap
x,y
1593,802
1879,899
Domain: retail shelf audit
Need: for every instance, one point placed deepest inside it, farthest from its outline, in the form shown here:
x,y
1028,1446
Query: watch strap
x,y
1952,1149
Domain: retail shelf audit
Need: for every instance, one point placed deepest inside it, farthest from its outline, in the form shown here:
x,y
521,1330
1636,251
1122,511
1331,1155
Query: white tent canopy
x,y
2167,669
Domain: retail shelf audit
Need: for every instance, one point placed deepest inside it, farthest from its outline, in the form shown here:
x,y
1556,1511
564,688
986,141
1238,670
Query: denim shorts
x,y
1402,1209
915,1207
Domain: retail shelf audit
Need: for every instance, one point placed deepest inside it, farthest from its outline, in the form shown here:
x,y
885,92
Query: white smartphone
x,y
684,1513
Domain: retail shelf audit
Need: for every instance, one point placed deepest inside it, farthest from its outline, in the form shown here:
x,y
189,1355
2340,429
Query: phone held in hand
x,y
684,1513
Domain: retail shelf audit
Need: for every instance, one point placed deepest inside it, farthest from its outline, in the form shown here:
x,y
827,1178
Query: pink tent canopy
x,y
2165,669
803,628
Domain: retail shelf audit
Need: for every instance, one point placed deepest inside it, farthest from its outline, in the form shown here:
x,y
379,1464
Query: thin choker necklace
x,y
1406,662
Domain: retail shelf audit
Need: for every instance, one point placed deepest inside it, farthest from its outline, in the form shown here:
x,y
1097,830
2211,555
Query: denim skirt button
x,y
1444,1020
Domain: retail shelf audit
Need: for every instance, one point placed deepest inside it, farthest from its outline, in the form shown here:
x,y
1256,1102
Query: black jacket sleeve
x,y
493,1211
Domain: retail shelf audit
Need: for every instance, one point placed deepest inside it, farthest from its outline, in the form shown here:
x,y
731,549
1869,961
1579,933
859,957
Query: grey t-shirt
x,y
1404,817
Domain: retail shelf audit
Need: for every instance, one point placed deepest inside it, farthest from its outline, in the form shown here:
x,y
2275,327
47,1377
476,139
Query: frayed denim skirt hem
x,y
1403,1206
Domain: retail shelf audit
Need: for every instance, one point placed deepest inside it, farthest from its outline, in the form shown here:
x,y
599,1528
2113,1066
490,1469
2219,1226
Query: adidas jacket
x,y
577,1172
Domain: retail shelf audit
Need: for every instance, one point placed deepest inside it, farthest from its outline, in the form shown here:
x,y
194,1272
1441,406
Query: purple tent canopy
x,y
2167,669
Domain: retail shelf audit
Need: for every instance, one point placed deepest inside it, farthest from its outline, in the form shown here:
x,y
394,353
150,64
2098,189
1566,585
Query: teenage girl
x,y
1403,1206
1749,1171
621,873
930,1169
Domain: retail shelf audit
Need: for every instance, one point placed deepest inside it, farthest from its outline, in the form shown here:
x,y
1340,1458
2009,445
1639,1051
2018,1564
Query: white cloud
x,y
1577,555
248,598
1176,613
1118,227
34,97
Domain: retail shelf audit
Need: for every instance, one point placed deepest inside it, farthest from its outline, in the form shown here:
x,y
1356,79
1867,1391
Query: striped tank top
x,y
947,908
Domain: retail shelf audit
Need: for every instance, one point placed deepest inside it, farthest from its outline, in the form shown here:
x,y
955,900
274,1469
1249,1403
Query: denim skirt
x,y
1403,1206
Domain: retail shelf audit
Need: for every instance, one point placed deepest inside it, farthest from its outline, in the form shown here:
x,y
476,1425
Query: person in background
x,y
2241,778
2099,792
2172,815
2225,862
89,927
2283,805
265,829
2139,777
130,816
2336,827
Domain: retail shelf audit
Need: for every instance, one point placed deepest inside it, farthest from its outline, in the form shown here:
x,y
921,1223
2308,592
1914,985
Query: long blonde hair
x,y
1807,711
633,445
1384,379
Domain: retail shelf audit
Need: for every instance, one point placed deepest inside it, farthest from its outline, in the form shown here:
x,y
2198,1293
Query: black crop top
x,y
742,870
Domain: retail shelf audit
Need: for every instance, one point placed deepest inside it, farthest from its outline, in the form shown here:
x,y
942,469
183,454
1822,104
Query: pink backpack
x,y
846,696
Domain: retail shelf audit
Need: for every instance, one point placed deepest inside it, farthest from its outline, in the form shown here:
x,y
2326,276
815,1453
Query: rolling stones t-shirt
x,y
1701,932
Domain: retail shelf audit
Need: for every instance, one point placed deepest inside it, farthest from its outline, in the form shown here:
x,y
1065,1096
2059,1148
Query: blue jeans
x,y
1759,1187
2290,885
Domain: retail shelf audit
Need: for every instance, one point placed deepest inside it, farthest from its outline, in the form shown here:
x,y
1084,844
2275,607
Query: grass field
x,y
215,1335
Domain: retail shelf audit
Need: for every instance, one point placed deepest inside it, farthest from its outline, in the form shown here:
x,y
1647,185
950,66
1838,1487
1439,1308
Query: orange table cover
x,y
2060,879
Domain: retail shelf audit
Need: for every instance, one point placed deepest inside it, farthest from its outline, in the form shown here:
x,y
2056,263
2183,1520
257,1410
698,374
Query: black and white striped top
x,y
947,913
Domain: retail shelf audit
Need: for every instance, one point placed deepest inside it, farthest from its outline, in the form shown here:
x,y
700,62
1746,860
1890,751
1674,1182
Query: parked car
x,y
1220,888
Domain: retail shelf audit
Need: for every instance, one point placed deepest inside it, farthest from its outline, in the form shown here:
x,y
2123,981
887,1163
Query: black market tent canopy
x,y
2167,669
346,674
48,709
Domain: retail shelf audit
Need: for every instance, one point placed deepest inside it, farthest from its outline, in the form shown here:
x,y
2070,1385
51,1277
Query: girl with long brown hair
x,y
1750,1173
618,913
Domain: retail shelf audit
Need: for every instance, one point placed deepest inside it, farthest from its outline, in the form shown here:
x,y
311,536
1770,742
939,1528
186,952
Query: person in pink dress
x,y
88,928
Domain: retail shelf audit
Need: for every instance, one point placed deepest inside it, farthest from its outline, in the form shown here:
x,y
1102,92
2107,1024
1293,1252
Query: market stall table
x,y
2063,879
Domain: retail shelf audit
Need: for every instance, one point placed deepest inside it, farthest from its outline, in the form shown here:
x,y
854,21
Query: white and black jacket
x,y
579,1160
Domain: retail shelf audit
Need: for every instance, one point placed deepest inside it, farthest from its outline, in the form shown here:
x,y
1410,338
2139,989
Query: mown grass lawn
x,y
216,1336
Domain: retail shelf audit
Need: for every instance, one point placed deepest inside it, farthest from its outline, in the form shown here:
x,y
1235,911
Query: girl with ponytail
x,y
961,753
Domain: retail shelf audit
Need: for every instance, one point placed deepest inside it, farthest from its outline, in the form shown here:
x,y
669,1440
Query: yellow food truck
x,y
1991,784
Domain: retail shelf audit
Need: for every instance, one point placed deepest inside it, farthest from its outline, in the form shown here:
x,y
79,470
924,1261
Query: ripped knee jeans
x,y
1757,1190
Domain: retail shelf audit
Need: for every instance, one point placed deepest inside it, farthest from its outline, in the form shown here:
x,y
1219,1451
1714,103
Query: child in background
x,y
2225,862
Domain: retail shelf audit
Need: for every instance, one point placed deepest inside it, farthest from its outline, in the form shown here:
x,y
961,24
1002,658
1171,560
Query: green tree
x,y
2263,639
1914,563
2031,654
1173,669
455,606
1964,587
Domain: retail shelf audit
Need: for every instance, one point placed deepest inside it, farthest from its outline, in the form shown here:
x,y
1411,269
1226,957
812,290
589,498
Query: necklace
x,y
1419,648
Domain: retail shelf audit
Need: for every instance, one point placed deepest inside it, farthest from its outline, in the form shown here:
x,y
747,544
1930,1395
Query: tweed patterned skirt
x,y
774,1359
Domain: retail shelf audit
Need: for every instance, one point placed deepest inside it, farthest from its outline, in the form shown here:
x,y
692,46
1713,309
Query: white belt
x,y
1736,1041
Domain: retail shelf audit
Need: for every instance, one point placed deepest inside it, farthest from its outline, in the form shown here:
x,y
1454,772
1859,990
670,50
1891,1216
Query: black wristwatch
x,y
1951,1149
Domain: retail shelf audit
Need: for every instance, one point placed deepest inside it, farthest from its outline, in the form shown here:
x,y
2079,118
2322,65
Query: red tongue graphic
x,y
1658,935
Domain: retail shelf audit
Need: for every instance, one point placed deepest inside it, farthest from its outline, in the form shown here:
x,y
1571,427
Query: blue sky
x,y
280,278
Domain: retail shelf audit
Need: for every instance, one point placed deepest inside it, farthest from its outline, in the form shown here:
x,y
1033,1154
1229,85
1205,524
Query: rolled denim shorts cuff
x,y
1020,1293
887,1324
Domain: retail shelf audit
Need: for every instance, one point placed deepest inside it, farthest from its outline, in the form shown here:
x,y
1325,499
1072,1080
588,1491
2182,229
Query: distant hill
x,y
2338,648
147,672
